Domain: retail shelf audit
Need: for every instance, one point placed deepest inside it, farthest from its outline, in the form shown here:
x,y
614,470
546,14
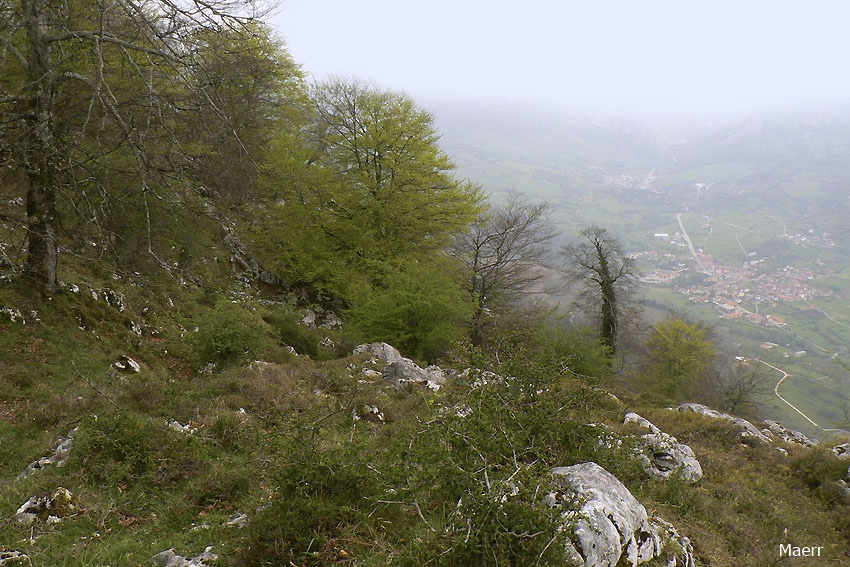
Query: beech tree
x,y
365,185
680,355
597,264
93,99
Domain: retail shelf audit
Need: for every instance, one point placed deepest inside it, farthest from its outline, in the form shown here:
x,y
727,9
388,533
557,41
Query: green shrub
x,y
124,448
229,334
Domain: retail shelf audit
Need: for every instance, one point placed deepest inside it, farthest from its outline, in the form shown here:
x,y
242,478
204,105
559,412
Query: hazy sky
x,y
699,57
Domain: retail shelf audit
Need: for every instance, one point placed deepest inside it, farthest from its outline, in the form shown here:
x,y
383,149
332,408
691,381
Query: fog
x,y
666,59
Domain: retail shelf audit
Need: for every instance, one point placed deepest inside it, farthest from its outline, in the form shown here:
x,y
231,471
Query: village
x,y
736,292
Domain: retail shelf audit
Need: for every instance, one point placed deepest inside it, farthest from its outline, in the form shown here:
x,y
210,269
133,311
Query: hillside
x,y
219,413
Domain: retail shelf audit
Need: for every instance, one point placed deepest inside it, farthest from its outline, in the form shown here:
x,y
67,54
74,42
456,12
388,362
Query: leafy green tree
x,y
598,264
366,184
421,309
679,356
248,90
94,97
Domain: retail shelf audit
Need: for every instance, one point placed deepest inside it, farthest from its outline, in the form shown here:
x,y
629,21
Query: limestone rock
x,y
399,370
749,432
610,527
127,364
169,558
405,371
59,457
14,558
48,508
632,417
788,435
381,351
662,455
842,451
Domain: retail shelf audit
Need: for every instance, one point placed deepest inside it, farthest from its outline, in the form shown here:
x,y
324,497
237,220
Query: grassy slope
x,y
278,443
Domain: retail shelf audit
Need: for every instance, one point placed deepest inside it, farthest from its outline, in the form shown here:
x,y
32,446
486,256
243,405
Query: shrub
x,y
229,334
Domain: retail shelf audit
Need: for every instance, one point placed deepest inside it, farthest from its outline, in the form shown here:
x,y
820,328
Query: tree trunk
x,y
40,167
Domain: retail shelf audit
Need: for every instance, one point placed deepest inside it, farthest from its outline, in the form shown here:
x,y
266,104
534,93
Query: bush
x,y
123,448
229,334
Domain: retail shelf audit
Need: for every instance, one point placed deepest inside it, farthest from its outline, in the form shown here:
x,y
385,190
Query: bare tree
x,y
738,385
89,84
605,275
506,253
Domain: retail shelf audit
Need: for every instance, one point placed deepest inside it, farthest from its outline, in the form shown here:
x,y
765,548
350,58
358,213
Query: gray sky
x,y
693,57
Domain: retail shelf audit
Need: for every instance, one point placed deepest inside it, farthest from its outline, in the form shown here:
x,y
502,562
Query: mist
x,y
665,60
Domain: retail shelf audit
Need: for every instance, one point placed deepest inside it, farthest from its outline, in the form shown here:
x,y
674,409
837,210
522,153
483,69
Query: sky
x,y
692,58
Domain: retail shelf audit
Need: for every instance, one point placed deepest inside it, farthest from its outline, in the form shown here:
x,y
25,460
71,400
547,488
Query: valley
x,y
739,226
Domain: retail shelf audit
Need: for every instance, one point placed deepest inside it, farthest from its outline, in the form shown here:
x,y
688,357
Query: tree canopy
x,y
363,185
100,108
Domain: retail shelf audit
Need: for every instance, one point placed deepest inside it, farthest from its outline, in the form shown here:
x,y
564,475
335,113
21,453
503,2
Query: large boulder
x,y
662,455
398,370
607,526
381,351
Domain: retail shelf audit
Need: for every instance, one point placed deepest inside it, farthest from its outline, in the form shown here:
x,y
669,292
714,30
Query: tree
x,y
93,99
679,356
364,186
736,385
597,263
505,253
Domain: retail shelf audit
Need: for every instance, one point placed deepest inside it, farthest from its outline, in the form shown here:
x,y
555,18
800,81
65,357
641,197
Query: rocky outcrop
x,y
59,457
246,263
48,508
398,370
788,435
169,558
607,526
662,455
749,433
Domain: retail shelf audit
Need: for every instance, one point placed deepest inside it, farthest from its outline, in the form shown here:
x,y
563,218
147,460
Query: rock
x,y
47,508
788,435
309,319
369,413
632,417
242,258
169,558
381,351
14,558
610,527
842,451
749,432
662,455
127,364
405,371
399,370
331,321
177,426
59,457
237,521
